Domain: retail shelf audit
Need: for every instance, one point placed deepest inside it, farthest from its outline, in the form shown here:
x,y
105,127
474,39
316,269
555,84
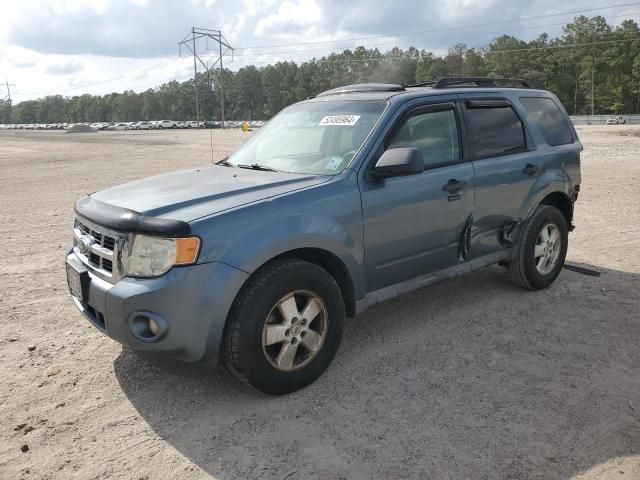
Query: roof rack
x,y
475,82
363,87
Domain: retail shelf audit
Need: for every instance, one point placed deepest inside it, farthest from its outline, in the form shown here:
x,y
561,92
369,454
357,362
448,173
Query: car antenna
x,y
211,142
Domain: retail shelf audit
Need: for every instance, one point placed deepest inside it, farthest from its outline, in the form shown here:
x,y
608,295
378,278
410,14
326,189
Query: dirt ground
x,y
469,379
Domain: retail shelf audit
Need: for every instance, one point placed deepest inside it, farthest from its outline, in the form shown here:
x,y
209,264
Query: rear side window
x,y
549,119
495,131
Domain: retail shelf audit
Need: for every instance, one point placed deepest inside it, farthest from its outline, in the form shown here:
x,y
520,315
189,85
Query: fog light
x,y
147,326
153,326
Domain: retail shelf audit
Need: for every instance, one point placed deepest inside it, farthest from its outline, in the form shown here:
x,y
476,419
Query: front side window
x,y
548,117
318,137
495,131
434,134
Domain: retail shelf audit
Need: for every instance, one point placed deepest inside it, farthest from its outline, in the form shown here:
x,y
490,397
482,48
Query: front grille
x,y
96,317
107,265
103,253
108,242
95,259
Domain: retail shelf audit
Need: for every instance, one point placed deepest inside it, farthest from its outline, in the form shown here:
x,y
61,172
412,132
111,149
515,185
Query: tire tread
x,y
517,270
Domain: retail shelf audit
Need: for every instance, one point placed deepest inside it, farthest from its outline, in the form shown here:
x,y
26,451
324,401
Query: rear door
x,y
413,224
504,164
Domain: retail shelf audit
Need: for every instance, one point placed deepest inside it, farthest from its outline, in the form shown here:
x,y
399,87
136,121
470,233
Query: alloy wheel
x,y
295,330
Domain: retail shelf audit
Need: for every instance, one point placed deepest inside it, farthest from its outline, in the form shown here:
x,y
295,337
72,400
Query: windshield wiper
x,y
257,166
225,162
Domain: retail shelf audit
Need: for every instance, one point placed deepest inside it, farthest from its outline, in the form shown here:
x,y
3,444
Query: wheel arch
x,y
336,268
326,260
561,201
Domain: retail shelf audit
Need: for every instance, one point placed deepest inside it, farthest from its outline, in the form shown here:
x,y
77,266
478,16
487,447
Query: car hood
x,y
190,194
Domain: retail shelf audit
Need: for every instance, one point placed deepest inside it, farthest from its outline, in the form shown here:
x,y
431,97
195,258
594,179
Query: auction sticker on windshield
x,y
348,120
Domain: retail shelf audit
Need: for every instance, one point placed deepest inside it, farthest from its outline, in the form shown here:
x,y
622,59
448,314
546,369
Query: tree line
x,y
591,66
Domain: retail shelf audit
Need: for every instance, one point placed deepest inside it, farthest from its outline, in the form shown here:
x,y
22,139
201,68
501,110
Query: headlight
x,y
153,256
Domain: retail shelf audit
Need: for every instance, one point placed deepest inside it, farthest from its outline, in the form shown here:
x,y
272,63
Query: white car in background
x,y
119,126
616,121
142,125
167,124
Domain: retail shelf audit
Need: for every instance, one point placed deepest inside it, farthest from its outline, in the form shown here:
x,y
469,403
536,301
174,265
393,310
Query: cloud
x,y
22,64
65,68
290,16
112,45
116,28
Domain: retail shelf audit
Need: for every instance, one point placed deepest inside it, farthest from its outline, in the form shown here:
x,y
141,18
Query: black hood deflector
x,y
130,221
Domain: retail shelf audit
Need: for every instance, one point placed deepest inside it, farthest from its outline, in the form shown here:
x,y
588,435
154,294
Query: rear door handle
x,y
453,185
530,169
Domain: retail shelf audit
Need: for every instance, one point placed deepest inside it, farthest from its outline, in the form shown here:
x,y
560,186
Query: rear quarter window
x,y
546,114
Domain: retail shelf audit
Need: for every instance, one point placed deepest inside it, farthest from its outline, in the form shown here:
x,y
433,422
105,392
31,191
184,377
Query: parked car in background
x,y
616,121
119,126
142,125
167,124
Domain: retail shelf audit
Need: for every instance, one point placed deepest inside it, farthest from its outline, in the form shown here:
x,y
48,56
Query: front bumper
x,y
192,301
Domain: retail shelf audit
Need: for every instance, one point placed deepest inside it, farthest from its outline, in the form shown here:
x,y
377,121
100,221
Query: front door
x,y
413,225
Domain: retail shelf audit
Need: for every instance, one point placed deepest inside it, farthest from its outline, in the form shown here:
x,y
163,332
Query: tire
x,y
251,353
530,271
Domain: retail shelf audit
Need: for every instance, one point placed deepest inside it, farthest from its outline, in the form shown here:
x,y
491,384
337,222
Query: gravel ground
x,y
470,378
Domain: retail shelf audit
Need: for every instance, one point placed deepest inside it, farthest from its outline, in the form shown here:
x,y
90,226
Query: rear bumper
x,y
192,302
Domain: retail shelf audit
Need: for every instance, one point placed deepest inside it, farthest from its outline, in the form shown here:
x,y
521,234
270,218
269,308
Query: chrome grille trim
x,y
104,256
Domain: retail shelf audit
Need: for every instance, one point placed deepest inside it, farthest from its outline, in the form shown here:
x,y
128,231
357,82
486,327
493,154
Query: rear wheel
x,y
541,249
285,326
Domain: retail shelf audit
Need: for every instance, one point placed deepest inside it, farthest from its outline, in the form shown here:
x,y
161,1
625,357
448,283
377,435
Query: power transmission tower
x,y
189,41
7,98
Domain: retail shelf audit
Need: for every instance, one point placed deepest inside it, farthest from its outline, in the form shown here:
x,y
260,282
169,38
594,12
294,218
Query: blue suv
x,y
340,202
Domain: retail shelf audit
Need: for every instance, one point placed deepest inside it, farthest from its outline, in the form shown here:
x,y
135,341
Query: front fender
x,y
326,217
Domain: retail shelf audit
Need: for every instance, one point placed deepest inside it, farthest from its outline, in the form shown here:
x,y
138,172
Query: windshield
x,y
316,137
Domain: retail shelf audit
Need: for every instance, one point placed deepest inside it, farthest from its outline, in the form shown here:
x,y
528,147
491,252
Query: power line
x,y
405,34
332,50
491,52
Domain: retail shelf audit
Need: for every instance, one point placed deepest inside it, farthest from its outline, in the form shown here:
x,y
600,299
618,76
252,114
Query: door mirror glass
x,y
397,162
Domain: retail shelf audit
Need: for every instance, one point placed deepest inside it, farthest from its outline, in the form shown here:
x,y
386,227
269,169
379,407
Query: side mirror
x,y
396,162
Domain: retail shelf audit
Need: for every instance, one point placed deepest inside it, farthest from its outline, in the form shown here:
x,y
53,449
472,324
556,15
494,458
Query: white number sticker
x,y
349,120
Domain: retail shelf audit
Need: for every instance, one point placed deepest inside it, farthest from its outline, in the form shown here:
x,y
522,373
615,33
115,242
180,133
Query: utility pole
x,y
220,82
189,41
593,89
195,76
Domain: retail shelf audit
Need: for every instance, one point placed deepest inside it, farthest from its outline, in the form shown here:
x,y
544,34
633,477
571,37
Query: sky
x,y
71,47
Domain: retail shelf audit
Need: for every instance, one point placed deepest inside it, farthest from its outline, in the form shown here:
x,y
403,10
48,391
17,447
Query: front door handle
x,y
453,185
530,169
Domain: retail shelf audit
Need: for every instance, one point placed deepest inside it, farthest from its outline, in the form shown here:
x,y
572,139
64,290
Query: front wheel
x,y
285,326
541,249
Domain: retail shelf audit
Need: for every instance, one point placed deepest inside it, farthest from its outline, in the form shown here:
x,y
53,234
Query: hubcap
x,y
295,330
547,249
